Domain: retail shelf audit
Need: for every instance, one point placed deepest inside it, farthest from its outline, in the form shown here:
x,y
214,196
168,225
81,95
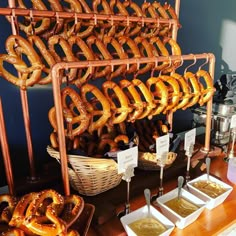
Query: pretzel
x,y
73,207
160,94
194,87
102,53
107,145
171,12
146,51
132,50
36,223
185,93
119,52
99,117
81,50
206,87
147,96
135,100
7,205
45,56
17,46
13,232
119,114
121,138
65,54
173,90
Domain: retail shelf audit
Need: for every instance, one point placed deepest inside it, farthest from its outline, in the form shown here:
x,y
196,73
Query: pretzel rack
x,y
55,72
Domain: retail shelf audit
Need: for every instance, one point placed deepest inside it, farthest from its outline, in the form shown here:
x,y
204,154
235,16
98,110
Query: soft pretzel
x,y
100,53
173,91
65,54
135,100
146,50
121,138
116,97
117,53
185,93
39,224
7,205
171,12
99,116
107,145
132,50
31,70
206,87
81,51
147,96
194,87
13,232
45,56
160,94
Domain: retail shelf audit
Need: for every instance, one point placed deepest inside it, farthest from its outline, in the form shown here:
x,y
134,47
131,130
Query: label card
x,y
233,122
189,138
127,158
162,144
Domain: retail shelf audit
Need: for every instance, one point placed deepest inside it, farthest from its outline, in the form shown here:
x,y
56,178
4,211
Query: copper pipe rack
x,y
210,58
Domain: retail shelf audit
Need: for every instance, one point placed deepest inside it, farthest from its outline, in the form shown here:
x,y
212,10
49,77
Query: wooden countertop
x,y
210,222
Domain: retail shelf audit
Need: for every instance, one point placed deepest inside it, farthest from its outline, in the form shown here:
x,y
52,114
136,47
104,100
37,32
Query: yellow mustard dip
x,y
147,227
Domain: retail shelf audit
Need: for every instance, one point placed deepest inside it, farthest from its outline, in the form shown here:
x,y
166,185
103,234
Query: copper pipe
x,y
6,153
56,82
25,109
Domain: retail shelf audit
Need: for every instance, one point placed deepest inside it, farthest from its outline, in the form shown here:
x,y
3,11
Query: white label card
x,y
233,122
162,144
189,138
128,157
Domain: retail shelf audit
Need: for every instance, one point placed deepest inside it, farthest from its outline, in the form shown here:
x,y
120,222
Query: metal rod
x,y
6,153
56,82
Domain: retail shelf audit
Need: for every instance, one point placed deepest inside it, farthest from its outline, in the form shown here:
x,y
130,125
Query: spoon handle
x,y
147,194
180,185
208,163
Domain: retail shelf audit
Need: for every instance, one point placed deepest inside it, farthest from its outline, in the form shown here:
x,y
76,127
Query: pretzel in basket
x,y
114,93
99,116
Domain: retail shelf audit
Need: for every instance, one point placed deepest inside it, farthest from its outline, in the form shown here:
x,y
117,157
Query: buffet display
x,y
113,67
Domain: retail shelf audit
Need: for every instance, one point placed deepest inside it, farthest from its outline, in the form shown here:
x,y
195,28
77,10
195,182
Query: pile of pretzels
x,y
46,27
40,213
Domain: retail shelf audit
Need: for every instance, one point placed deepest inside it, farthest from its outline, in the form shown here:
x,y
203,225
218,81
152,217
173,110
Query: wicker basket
x,y
148,161
90,176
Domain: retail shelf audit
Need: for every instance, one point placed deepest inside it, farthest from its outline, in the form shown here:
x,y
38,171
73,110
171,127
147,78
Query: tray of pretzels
x,y
44,213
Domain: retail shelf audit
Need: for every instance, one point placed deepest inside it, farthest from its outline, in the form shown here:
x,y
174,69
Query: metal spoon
x,y
208,163
147,195
180,185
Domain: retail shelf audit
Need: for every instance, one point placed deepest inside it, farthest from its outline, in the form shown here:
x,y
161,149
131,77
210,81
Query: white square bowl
x,y
178,220
143,213
210,202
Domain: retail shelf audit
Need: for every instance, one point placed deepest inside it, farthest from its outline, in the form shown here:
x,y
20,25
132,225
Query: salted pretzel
x,y
146,50
121,138
107,145
30,71
194,87
100,52
132,50
7,206
206,86
173,91
39,224
160,94
171,12
116,97
82,52
46,57
99,116
147,98
185,92
135,100
13,232
65,54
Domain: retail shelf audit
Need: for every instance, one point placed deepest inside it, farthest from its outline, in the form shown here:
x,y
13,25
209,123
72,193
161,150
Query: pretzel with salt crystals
x,y
116,97
119,52
173,90
135,100
99,116
194,87
160,94
7,205
81,50
206,87
102,53
30,71
36,222
147,96
13,232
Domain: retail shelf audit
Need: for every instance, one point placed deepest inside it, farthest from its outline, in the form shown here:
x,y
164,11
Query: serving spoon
x,y
147,195
180,185
208,164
